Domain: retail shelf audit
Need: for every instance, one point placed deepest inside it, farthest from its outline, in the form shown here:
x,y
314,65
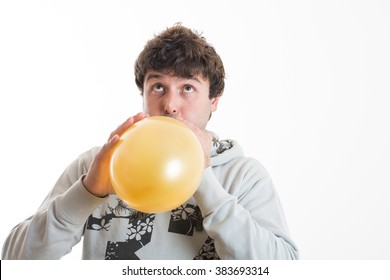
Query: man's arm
x,y
245,218
59,222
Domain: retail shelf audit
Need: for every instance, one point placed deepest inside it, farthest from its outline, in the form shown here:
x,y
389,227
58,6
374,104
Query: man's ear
x,y
214,103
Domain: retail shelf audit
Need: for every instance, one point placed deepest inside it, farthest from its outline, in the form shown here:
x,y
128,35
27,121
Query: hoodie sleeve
x,y
243,213
59,222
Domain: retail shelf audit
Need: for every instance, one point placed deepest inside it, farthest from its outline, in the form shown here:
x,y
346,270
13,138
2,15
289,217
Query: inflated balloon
x,y
157,165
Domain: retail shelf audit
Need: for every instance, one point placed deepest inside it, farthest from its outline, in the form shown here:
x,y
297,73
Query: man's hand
x,y
205,140
97,181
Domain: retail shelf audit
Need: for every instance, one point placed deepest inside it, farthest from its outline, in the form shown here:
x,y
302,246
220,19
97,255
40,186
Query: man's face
x,y
177,97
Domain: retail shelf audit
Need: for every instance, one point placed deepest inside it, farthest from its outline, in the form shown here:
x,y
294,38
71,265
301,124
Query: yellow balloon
x,y
157,165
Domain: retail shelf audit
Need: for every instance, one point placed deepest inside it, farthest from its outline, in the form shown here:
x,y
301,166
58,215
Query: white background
x,y
307,94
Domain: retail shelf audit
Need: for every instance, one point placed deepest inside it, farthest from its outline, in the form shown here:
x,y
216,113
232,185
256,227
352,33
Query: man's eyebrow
x,y
153,76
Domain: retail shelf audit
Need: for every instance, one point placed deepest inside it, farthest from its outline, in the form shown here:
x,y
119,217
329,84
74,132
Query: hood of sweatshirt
x,y
223,151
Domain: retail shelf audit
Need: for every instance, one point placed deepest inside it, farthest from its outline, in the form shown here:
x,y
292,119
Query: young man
x,y
234,214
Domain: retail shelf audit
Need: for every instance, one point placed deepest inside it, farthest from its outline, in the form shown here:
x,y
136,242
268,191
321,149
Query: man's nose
x,y
171,103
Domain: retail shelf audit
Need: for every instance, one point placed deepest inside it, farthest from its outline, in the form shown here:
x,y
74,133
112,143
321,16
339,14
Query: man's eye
x,y
188,89
158,88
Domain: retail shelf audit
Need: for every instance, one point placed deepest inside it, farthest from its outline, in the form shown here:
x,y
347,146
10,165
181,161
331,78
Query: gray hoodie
x,y
234,214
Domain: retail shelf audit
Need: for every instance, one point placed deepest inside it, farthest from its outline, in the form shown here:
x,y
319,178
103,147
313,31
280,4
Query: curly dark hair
x,y
184,53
